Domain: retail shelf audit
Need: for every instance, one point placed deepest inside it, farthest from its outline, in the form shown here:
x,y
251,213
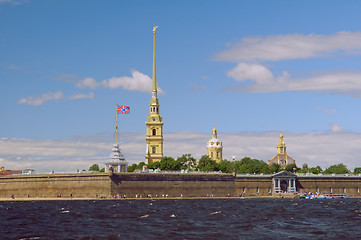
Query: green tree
x,y
275,168
167,164
249,165
132,167
337,169
140,165
135,166
292,168
102,170
155,165
226,166
315,170
357,170
94,167
207,164
304,168
186,162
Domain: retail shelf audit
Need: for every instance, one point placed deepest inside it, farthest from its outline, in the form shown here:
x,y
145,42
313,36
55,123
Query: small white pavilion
x,y
116,161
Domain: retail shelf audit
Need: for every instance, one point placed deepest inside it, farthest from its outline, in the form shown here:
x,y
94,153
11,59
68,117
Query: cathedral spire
x,y
281,147
154,138
154,85
281,137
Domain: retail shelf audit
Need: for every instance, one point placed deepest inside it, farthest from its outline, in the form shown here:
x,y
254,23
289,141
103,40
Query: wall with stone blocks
x,y
92,185
54,185
173,185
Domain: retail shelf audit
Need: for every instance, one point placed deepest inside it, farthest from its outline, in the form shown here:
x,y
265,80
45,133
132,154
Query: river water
x,y
182,219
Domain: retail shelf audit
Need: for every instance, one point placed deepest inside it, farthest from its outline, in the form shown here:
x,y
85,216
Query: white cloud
x,y
257,72
81,96
13,2
262,80
336,127
88,82
252,50
326,110
68,155
7,1
137,82
292,46
36,101
47,148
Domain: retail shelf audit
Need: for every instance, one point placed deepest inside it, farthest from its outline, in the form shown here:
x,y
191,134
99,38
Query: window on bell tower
x,y
154,149
154,132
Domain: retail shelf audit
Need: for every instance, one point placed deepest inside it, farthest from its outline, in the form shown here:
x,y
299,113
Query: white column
x,y
289,185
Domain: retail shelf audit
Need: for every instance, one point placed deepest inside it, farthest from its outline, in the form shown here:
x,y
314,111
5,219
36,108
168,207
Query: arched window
x,y
154,149
154,132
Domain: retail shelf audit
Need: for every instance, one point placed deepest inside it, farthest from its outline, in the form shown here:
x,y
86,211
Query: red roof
x,y
10,172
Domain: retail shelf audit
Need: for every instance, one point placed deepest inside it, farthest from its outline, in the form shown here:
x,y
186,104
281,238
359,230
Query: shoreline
x,y
121,199
116,199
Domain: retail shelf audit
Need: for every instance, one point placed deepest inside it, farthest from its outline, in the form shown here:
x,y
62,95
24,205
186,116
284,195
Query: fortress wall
x,y
350,185
175,185
50,185
249,186
90,185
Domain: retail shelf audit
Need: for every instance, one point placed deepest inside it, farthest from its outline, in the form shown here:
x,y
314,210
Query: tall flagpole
x,y
116,124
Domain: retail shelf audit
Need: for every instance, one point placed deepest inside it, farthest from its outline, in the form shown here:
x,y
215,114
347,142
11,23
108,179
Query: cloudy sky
x,y
251,68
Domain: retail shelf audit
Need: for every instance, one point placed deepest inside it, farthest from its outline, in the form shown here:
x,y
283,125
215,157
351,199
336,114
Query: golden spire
x,y
154,87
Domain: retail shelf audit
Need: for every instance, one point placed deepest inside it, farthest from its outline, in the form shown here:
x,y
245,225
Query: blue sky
x,y
252,68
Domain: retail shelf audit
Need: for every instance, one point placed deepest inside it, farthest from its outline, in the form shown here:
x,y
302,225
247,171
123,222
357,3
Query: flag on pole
x,y
123,109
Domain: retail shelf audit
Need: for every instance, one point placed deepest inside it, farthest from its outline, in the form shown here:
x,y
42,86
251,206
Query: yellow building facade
x,y
154,124
282,158
214,147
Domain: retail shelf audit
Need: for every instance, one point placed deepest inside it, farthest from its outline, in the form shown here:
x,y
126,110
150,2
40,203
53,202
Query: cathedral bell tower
x,y
154,124
214,147
282,158
281,147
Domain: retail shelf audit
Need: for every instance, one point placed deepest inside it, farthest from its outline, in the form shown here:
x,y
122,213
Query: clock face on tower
x,y
153,119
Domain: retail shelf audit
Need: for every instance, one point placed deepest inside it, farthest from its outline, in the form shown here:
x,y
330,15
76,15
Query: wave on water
x,y
182,219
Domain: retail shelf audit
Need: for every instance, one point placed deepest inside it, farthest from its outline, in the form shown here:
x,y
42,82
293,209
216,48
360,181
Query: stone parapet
x,y
162,185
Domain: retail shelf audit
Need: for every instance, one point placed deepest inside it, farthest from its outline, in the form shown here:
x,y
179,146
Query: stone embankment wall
x,y
349,185
261,186
253,185
96,185
55,185
173,185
